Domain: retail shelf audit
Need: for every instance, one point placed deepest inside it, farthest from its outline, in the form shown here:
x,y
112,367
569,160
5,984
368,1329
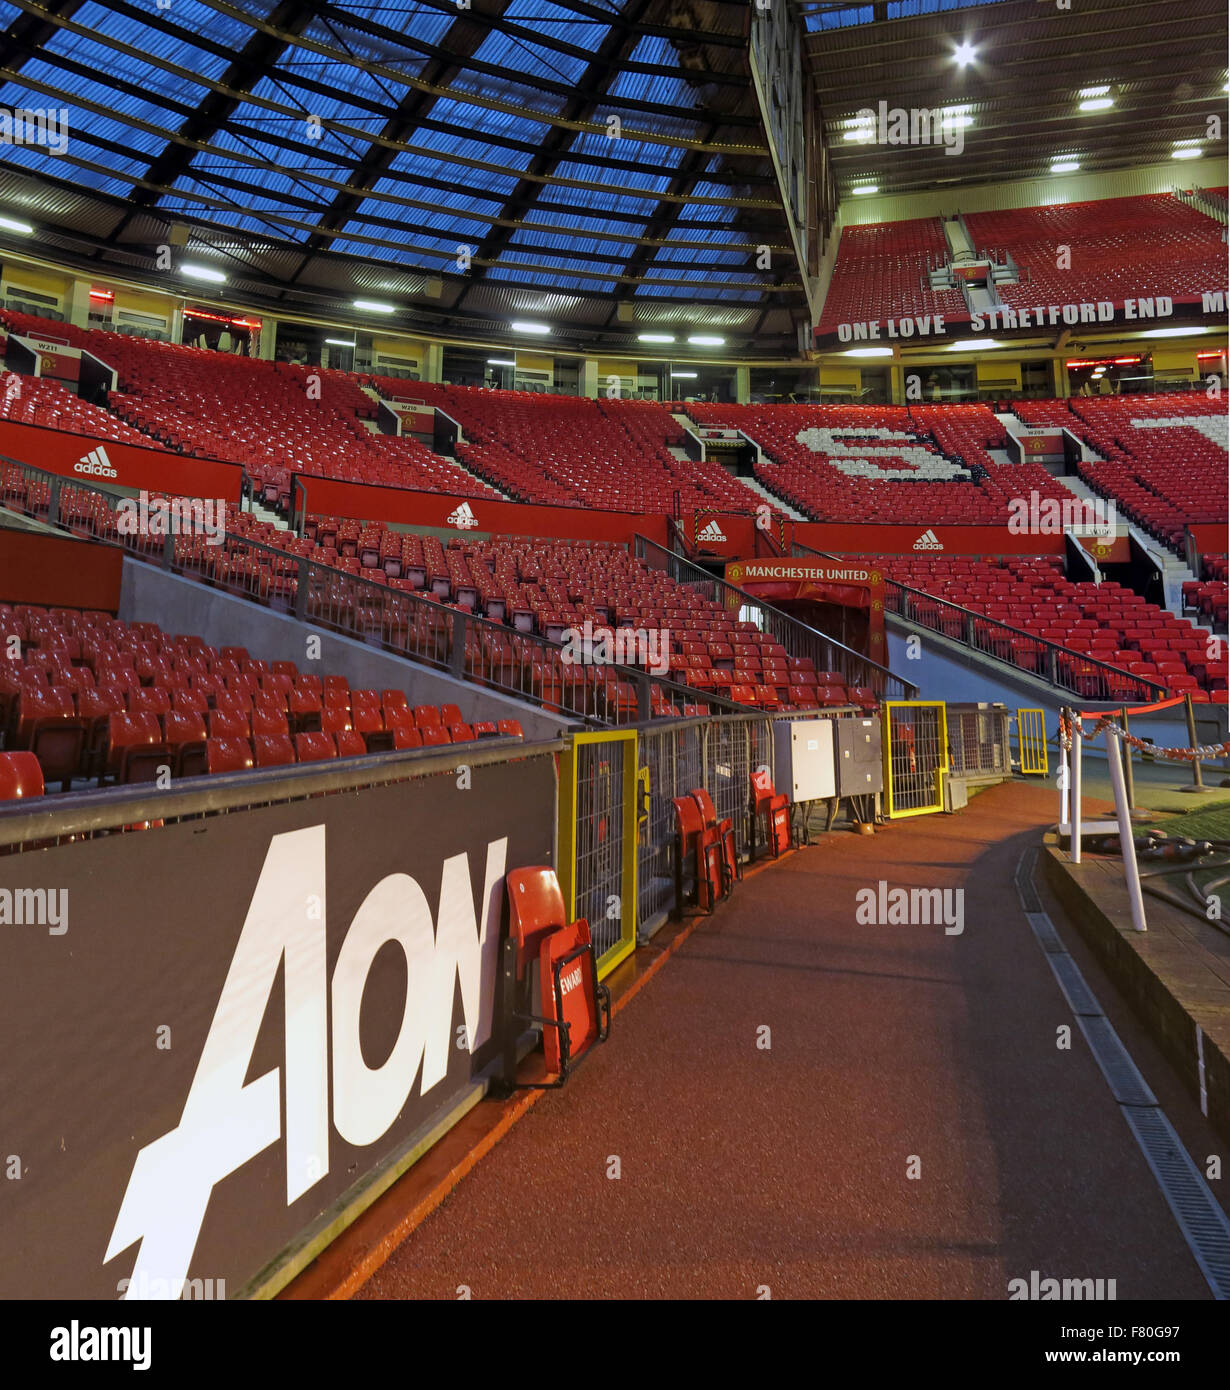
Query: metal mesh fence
x,y
674,759
916,753
978,742
600,812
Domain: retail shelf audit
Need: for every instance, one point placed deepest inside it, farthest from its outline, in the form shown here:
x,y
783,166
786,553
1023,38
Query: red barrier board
x,y
921,539
107,462
54,570
404,507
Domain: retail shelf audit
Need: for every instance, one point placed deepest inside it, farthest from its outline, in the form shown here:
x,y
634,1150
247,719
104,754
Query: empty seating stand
x,y
93,698
574,1008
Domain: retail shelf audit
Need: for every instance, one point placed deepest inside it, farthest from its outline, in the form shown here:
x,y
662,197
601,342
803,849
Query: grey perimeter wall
x,y
178,605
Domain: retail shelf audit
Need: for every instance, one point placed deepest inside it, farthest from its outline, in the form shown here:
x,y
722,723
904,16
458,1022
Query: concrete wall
x,y
183,605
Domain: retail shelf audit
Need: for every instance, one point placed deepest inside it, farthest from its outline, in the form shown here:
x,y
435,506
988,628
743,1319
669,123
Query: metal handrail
x,y
797,637
447,638
98,810
1118,683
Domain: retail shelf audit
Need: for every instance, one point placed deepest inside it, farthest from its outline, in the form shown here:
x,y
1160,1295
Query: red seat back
x,y
20,776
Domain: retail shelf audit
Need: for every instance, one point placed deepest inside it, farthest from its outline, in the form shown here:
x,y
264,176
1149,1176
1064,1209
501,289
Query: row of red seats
x,y
92,697
1104,621
846,463
569,451
1162,458
881,273
1118,247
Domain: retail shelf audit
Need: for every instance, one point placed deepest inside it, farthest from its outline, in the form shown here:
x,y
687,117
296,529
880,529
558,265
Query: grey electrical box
x,y
860,768
803,759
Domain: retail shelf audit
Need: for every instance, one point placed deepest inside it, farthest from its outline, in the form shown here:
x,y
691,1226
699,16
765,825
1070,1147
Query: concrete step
x,y
771,497
263,513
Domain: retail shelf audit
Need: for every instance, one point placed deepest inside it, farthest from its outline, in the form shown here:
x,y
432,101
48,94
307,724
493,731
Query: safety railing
x,y
798,639
1060,666
399,620
1072,671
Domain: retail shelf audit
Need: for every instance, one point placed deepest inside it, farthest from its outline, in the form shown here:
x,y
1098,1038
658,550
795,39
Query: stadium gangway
x,y
444,637
797,637
1074,673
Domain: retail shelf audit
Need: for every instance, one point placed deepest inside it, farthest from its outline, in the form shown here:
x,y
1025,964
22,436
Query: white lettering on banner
x,y
226,1122
569,982
1035,316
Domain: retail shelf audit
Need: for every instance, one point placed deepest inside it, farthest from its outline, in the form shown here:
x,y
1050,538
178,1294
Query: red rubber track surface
x,y
742,1167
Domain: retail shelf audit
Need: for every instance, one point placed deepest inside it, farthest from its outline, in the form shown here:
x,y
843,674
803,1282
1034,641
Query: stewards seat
x,y
775,809
699,845
575,1010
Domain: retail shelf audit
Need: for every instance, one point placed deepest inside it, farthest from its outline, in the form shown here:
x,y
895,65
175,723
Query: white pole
x,y
1064,784
1127,846
1075,852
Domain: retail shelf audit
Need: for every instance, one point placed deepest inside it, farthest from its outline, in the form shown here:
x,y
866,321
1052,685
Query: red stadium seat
x,y
20,776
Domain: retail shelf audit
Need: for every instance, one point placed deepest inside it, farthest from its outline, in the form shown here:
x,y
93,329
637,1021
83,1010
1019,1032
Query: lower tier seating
x,y
1104,621
98,700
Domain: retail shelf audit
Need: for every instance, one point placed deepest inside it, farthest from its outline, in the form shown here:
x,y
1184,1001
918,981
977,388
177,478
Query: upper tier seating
x,y
30,400
95,698
881,273
573,452
1104,621
830,461
1120,247
273,418
1162,472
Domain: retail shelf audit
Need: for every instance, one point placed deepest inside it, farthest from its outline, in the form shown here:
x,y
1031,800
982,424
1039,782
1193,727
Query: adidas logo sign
x,y
928,541
96,463
463,518
712,532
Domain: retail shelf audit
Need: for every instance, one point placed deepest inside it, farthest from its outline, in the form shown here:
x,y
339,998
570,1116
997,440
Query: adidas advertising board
x,y
215,1059
114,463
711,532
928,541
96,463
463,518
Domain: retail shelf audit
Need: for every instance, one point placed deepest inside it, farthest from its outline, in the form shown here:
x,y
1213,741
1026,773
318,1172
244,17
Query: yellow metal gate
x,y
597,840
1031,740
915,756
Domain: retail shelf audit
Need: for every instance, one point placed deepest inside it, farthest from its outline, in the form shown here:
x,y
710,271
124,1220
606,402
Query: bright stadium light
x,y
522,327
655,337
501,362
339,342
1175,332
1064,166
1094,91
972,344
1096,104
374,306
11,224
868,352
706,340
690,376
865,188
1187,152
964,54
203,272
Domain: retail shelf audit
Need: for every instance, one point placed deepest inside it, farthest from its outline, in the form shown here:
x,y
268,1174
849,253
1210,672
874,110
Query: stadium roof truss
x,y
600,162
